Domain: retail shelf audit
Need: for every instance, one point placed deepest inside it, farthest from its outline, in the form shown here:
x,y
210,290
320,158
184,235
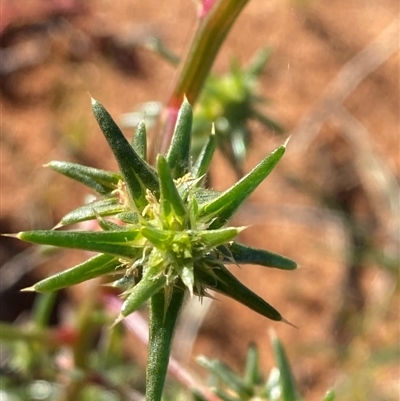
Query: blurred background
x,y
332,204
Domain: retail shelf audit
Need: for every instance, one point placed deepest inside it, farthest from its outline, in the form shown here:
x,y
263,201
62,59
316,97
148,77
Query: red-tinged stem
x,y
210,34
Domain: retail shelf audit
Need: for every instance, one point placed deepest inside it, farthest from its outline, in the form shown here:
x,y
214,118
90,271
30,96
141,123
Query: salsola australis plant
x,y
163,234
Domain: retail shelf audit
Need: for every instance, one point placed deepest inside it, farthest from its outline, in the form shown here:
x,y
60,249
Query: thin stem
x,y
210,35
162,325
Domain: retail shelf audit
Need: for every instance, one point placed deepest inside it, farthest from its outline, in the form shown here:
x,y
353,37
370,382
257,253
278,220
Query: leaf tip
x,y
58,225
12,235
119,319
212,129
28,289
94,101
287,141
283,320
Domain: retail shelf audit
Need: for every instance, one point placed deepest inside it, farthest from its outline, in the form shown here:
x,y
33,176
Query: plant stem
x,y
210,35
162,325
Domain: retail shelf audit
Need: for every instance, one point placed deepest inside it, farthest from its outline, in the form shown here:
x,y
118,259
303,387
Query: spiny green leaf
x,y
213,238
223,207
226,375
119,243
252,375
172,207
128,217
96,266
204,196
205,157
138,175
104,207
258,62
139,141
151,282
108,225
243,254
224,282
159,238
187,274
178,156
101,181
288,385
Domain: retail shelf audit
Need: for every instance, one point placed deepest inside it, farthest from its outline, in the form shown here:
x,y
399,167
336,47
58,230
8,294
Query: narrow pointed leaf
x,y
252,375
204,196
258,62
187,275
128,217
172,206
159,238
226,375
288,385
151,282
213,238
243,254
139,142
94,267
223,207
178,156
118,243
225,283
204,160
108,225
138,175
104,207
263,119
272,390
101,181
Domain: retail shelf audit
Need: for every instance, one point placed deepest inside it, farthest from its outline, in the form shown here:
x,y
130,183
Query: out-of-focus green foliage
x,y
230,102
251,385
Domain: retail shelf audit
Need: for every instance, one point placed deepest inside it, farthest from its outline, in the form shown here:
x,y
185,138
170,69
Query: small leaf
x,y
138,175
272,390
151,282
226,375
258,61
108,225
178,156
288,385
172,207
104,207
243,254
139,142
204,196
128,217
226,283
187,275
159,238
223,207
252,375
94,267
101,181
205,157
213,238
119,243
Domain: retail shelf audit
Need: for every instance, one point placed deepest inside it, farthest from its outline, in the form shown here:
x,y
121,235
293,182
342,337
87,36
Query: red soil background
x,y
344,145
